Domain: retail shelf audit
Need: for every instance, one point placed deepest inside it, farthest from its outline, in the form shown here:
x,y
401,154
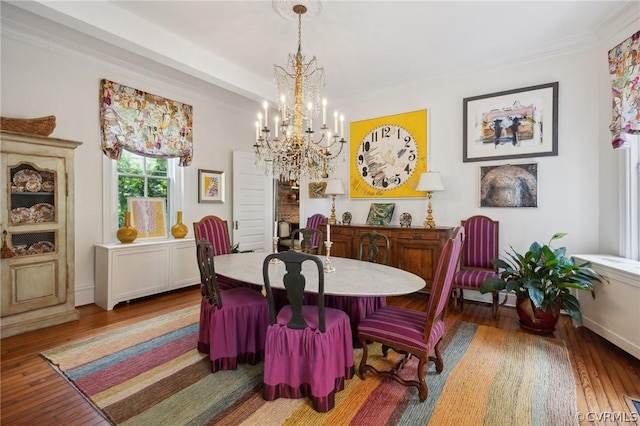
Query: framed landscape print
x,y
210,186
511,185
148,216
517,123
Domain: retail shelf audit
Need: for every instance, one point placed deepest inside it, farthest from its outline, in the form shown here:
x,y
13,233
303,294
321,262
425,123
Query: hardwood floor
x,y
33,393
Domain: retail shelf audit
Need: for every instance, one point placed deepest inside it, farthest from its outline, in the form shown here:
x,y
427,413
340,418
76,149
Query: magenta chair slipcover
x,y
309,350
411,332
359,307
233,323
216,231
480,247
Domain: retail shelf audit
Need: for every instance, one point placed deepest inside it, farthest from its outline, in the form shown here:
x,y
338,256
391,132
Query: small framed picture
x,y
509,185
210,186
380,214
520,123
148,216
316,189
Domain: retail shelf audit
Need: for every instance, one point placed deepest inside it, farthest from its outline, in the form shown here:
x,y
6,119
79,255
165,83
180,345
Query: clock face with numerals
x,y
387,157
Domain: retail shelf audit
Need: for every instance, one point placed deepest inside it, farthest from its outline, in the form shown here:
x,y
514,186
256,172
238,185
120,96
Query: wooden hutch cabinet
x,y
36,215
416,250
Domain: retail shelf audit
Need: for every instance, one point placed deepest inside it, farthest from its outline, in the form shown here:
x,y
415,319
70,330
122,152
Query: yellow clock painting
x,y
388,154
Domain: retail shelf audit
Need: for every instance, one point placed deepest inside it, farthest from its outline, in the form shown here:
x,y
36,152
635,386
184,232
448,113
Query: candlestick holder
x,y
275,250
328,267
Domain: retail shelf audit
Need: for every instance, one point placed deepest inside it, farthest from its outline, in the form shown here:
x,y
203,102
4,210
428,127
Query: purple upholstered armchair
x,y
410,332
233,323
480,247
309,350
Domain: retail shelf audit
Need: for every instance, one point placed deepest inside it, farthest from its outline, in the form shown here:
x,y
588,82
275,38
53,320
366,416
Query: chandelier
x,y
294,149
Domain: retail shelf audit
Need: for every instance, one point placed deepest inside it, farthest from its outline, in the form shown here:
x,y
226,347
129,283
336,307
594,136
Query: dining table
x,y
351,277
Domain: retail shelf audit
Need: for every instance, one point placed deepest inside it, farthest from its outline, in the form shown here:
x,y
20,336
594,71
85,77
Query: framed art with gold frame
x,y
388,154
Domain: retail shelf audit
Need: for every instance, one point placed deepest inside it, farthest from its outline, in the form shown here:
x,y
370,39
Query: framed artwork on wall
x,y
388,155
210,186
517,123
510,185
380,213
148,216
316,189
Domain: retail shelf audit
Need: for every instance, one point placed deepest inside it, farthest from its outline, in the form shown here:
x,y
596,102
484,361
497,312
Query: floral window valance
x,y
624,68
143,123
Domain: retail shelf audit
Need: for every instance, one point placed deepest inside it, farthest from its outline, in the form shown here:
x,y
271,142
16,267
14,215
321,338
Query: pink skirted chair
x,y
410,332
309,350
359,307
216,231
480,247
233,323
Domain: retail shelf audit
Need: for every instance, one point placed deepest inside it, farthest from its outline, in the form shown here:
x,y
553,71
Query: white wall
x,y
40,77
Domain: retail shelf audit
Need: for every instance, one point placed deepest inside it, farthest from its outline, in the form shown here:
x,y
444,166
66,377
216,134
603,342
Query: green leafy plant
x,y
545,276
235,248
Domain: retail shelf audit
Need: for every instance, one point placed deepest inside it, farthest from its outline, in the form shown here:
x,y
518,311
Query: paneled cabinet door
x,y
419,255
35,218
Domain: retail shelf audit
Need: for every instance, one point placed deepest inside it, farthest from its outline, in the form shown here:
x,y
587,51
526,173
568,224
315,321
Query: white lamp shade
x,y
430,181
334,187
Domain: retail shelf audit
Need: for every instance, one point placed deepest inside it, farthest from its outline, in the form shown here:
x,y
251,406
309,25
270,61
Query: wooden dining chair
x,y
309,350
359,307
410,332
480,247
306,244
233,323
313,222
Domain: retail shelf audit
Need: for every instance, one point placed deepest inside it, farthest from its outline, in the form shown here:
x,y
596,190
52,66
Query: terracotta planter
x,y
536,320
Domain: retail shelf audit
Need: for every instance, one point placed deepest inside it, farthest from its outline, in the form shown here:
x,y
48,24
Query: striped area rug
x,y
151,373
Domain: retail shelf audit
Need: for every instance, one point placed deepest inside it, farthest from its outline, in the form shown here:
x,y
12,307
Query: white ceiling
x,y
361,44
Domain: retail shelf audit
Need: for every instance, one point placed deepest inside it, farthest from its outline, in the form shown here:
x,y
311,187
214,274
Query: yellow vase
x,y
127,234
179,230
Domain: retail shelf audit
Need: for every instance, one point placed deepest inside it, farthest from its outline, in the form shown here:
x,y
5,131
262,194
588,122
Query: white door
x,y
253,211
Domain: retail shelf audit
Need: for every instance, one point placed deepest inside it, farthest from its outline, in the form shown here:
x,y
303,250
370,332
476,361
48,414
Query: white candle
x,y
260,119
266,112
335,121
257,130
275,229
324,112
328,233
342,125
275,120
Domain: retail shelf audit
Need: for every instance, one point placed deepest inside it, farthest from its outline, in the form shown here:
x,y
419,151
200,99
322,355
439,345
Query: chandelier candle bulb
x,y
275,121
324,112
335,121
328,233
266,112
260,119
342,125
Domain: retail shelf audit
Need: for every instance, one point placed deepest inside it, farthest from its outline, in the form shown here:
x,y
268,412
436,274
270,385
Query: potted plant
x,y
542,280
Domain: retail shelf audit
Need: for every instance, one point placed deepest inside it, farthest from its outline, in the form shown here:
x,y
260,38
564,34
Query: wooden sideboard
x,y
416,250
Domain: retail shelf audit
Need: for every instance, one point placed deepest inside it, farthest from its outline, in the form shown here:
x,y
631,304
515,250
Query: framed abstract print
x,y
210,186
517,123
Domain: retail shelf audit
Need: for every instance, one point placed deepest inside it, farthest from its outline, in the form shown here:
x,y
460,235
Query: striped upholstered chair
x,y
216,231
410,332
480,247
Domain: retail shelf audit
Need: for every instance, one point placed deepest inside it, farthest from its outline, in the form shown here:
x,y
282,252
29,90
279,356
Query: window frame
x,y
175,199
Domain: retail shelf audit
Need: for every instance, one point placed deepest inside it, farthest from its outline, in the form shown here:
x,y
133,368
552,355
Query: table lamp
x,y
334,187
429,182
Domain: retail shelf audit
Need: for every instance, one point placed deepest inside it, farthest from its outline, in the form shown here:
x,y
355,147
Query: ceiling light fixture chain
x,y
292,153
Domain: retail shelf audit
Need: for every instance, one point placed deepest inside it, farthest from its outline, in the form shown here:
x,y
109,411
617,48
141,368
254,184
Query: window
x,y
140,176
630,242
